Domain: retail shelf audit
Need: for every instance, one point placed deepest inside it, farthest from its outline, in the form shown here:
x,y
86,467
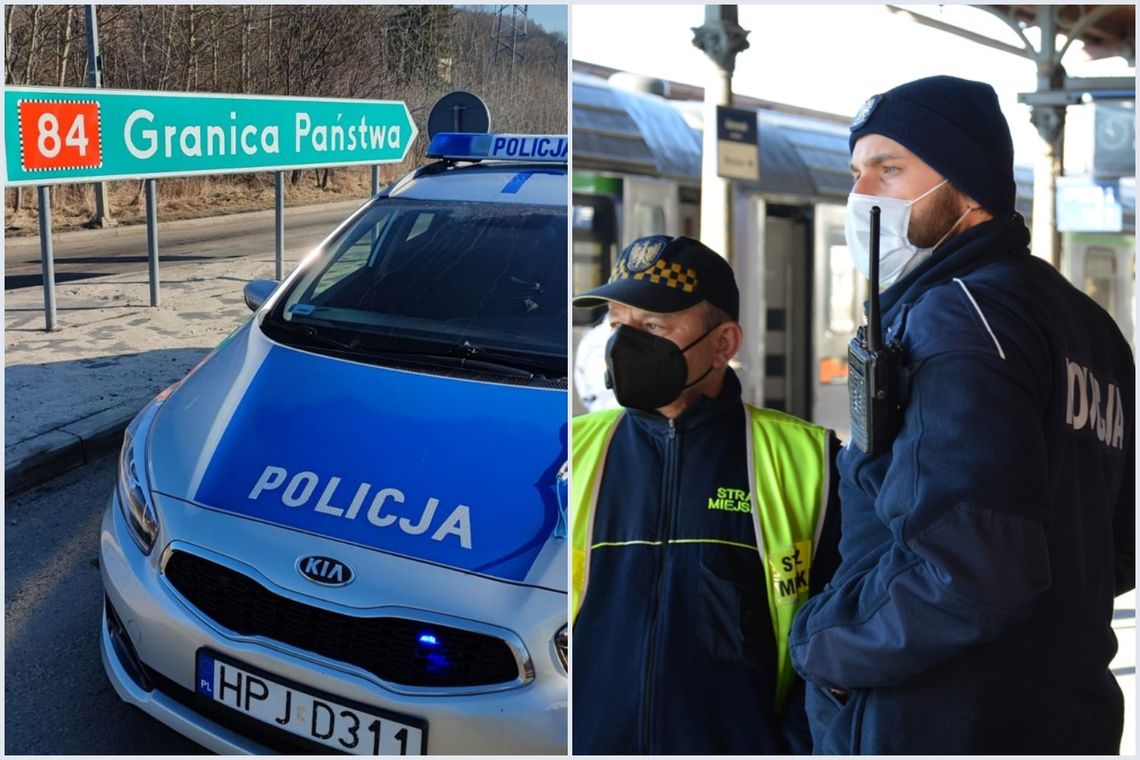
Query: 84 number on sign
x,y
59,135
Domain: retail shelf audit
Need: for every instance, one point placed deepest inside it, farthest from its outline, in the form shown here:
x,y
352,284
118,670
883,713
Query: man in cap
x,y
983,546
699,525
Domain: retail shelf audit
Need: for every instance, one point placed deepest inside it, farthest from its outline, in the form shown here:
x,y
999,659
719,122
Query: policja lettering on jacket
x,y
1085,408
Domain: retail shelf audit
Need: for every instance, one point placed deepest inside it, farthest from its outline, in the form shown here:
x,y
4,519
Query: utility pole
x,y
95,80
721,38
1045,240
509,35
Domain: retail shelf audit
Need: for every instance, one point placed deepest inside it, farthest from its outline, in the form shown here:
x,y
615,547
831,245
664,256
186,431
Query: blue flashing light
x,y
428,639
437,663
478,146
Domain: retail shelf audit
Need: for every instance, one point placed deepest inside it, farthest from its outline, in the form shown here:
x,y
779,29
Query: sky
x,y
552,17
825,57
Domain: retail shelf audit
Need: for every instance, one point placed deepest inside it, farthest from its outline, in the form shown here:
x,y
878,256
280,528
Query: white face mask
x,y
897,255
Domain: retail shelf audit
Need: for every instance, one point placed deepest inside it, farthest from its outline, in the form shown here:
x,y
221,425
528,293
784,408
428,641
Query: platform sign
x,y
738,144
57,135
1085,204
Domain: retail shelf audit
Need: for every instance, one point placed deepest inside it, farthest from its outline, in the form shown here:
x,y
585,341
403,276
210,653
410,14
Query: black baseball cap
x,y
666,274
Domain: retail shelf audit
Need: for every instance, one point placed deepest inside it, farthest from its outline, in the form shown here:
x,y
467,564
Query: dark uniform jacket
x,y
971,611
674,646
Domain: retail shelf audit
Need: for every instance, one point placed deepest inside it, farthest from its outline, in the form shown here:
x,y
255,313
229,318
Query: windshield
x,y
481,281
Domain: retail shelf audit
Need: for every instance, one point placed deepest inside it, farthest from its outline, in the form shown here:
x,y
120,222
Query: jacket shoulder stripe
x,y
985,322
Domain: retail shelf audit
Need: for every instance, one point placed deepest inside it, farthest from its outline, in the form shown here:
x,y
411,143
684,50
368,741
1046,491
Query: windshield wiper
x,y
524,360
313,333
432,353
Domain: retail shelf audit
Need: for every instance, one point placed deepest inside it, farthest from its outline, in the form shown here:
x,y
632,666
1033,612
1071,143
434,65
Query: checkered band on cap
x,y
661,273
666,274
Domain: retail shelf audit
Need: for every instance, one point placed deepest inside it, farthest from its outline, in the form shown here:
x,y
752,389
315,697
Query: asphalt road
x,y
57,699
94,253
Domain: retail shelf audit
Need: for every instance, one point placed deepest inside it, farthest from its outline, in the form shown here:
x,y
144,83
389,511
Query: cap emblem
x,y
644,254
864,113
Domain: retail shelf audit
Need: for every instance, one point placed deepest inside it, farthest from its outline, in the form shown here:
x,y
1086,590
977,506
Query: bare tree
x,y
63,44
414,53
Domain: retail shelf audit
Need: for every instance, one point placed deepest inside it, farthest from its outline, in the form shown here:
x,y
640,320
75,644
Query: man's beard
x,y
929,227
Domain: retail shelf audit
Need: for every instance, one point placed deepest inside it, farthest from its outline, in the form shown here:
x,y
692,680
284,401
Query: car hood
x,y
439,469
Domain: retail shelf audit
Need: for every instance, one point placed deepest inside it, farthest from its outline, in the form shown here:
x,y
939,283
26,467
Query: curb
x,y
34,461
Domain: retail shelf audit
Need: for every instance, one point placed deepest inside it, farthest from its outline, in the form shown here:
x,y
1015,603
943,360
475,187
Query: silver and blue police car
x,y
345,529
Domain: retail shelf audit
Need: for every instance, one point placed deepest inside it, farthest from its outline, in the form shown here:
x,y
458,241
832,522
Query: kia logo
x,y
325,570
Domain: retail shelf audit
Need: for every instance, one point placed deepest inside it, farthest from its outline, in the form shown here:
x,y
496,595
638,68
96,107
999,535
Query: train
x,y
636,171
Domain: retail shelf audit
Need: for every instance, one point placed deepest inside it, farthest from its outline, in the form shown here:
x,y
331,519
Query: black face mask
x,y
646,371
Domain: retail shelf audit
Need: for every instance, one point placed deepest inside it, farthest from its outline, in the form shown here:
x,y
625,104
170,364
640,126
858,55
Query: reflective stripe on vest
x,y
789,461
589,443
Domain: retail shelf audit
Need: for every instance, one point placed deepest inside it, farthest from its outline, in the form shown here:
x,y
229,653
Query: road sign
x,y
56,135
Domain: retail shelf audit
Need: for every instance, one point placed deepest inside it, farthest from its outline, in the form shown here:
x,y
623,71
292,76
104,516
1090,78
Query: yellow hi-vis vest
x,y
790,462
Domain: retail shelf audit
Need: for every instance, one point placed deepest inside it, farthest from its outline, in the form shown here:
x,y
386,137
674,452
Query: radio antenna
x,y
874,328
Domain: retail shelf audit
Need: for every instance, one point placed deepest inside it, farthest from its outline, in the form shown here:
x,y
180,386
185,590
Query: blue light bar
x,y
478,146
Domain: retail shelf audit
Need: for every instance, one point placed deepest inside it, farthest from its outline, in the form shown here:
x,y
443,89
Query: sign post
x,y
279,223
61,135
152,238
47,258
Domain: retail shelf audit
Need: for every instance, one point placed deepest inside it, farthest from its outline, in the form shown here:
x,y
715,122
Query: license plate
x,y
333,722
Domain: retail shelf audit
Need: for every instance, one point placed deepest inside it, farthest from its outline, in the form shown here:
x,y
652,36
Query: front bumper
x,y
150,636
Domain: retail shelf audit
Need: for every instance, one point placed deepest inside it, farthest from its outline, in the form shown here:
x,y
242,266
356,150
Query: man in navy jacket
x,y
699,523
981,551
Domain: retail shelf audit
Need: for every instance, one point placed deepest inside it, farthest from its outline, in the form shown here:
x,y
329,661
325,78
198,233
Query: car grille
x,y
397,650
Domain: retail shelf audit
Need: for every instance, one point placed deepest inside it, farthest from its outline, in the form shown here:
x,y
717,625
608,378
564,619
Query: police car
x,y
345,529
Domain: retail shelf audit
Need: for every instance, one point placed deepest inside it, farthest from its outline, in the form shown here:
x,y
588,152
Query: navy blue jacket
x,y
674,651
980,555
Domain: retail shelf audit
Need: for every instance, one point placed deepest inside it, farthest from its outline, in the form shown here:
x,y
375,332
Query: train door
x,y
787,298
773,264
837,312
593,250
1104,267
594,247
650,206
690,208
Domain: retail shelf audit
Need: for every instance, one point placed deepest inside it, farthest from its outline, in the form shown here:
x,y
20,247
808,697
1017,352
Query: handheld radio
x,y
872,370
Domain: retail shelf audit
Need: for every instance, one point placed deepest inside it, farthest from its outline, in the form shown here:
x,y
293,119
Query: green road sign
x,y
54,135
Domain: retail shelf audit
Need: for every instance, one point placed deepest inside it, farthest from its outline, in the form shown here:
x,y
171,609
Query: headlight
x,y
134,483
562,646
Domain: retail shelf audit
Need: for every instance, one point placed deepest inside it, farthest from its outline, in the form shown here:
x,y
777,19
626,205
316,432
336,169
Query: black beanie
x,y
956,127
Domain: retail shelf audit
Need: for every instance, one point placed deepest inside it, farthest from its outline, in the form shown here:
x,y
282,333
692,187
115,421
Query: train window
x,y
595,237
583,217
841,297
648,220
587,270
588,256
1100,276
